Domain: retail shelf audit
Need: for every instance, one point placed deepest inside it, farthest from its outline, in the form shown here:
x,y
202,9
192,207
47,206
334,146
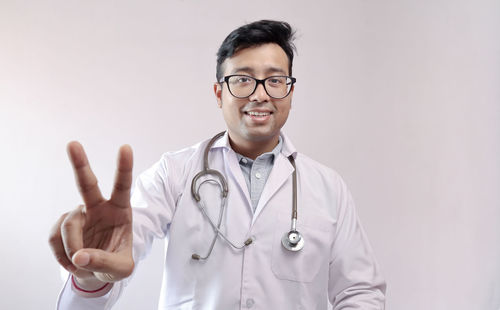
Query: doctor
x,y
232,242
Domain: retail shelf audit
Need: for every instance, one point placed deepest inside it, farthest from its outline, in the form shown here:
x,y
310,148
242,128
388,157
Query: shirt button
x,y
250,303
258,175
244,160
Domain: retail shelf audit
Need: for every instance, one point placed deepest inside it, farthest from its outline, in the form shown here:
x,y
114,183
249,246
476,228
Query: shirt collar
x,y
266,156
287,148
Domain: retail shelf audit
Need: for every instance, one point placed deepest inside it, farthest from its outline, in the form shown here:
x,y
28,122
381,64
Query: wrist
x,y
90,287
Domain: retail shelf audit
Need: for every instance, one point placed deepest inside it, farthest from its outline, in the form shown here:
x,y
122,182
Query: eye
x,y
243,79
276,80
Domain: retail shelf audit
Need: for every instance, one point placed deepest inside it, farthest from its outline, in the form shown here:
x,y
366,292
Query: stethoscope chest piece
x,y
292,241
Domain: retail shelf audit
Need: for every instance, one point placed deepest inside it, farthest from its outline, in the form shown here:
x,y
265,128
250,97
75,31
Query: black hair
x,y
254,34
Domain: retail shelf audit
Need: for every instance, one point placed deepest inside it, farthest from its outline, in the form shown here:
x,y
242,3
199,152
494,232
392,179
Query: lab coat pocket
x,y
304,265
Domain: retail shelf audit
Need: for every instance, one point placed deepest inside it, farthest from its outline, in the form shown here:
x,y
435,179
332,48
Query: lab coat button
x,y
250,303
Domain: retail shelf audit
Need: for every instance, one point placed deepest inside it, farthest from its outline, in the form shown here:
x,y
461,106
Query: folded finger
x,y
85,178
106,266
123,178
57,246
71,231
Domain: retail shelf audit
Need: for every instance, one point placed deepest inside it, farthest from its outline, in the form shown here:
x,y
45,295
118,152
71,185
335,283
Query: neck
x,y
253,149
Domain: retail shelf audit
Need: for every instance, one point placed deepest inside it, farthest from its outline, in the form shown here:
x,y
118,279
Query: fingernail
x,y
81,259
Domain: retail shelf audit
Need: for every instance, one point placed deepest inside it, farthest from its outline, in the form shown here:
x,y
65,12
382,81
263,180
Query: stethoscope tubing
x,y
291,240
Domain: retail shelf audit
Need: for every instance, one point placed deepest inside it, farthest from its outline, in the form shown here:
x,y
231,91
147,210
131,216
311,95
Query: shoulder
x,y
309,168
175,164
180,161
316,170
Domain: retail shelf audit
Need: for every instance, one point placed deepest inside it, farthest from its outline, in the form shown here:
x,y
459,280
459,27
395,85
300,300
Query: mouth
x,y
258,113
258,117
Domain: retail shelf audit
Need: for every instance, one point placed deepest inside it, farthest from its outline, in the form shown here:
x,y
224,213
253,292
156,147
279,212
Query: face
x,y
258,118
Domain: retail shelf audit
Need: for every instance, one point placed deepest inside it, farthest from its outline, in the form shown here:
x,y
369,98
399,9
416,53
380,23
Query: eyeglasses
x,y
243,86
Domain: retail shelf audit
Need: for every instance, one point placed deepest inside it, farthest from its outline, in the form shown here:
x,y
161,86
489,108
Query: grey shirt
x,y
257,171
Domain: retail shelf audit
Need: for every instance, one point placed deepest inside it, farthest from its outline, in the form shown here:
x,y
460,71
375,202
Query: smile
x,y
261,114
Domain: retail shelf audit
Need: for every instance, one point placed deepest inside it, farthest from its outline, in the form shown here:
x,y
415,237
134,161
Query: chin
x,y
258,137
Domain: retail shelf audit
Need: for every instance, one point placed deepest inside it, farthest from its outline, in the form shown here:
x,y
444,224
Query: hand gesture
x,y
94,241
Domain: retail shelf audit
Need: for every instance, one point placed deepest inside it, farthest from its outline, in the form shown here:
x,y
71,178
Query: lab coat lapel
x,y
233,168
281,171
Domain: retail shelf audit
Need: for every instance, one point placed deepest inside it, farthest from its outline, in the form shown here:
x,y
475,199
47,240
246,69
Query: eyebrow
x,y
250,70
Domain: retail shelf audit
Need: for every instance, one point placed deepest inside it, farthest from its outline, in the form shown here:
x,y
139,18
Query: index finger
x,y
85,178
123,179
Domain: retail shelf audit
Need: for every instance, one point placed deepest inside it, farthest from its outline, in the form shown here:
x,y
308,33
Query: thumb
x,y
106,266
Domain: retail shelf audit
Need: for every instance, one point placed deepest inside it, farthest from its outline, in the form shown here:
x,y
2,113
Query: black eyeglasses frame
x,y
257,82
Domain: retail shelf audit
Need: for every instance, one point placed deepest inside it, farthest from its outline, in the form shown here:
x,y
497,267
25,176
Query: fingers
x,y
107,267
71,232
57,246
85,178
123,178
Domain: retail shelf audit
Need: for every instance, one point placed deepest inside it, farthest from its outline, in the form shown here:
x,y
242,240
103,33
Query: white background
x,y
402,98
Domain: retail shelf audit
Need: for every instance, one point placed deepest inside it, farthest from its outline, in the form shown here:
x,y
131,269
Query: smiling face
x,y
254,123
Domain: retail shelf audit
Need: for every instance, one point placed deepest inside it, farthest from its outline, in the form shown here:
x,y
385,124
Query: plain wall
x,y
402,98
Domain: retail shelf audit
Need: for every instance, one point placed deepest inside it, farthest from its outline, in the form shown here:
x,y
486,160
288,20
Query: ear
x,y
218,93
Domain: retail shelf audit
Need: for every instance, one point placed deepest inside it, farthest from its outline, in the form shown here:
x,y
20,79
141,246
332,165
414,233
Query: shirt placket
x,y
257,180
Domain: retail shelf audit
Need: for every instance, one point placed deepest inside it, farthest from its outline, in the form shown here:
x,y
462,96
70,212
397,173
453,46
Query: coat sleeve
x,y
153,201
355,281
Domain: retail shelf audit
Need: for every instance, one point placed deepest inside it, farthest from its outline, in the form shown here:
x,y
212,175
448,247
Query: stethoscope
x,y
291,240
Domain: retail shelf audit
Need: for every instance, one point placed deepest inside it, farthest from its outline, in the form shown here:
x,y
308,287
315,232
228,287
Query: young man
x,y
250,222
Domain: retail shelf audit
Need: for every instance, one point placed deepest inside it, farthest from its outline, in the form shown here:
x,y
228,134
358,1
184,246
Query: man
x,y
232,242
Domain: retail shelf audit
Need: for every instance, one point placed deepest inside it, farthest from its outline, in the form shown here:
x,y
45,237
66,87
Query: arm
x,y
355,281
153,199
93,242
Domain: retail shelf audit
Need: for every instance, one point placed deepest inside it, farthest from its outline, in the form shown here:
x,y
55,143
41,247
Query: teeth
x,y
258,113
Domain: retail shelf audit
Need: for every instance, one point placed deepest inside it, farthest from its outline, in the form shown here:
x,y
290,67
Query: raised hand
x,y
94,241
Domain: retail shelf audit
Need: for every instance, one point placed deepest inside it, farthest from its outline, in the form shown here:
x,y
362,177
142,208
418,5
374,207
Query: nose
x,y
260,94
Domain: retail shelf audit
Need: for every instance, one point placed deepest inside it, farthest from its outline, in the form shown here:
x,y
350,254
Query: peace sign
x,y
94,241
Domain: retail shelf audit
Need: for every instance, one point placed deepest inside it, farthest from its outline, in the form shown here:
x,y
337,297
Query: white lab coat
x,y
335,269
